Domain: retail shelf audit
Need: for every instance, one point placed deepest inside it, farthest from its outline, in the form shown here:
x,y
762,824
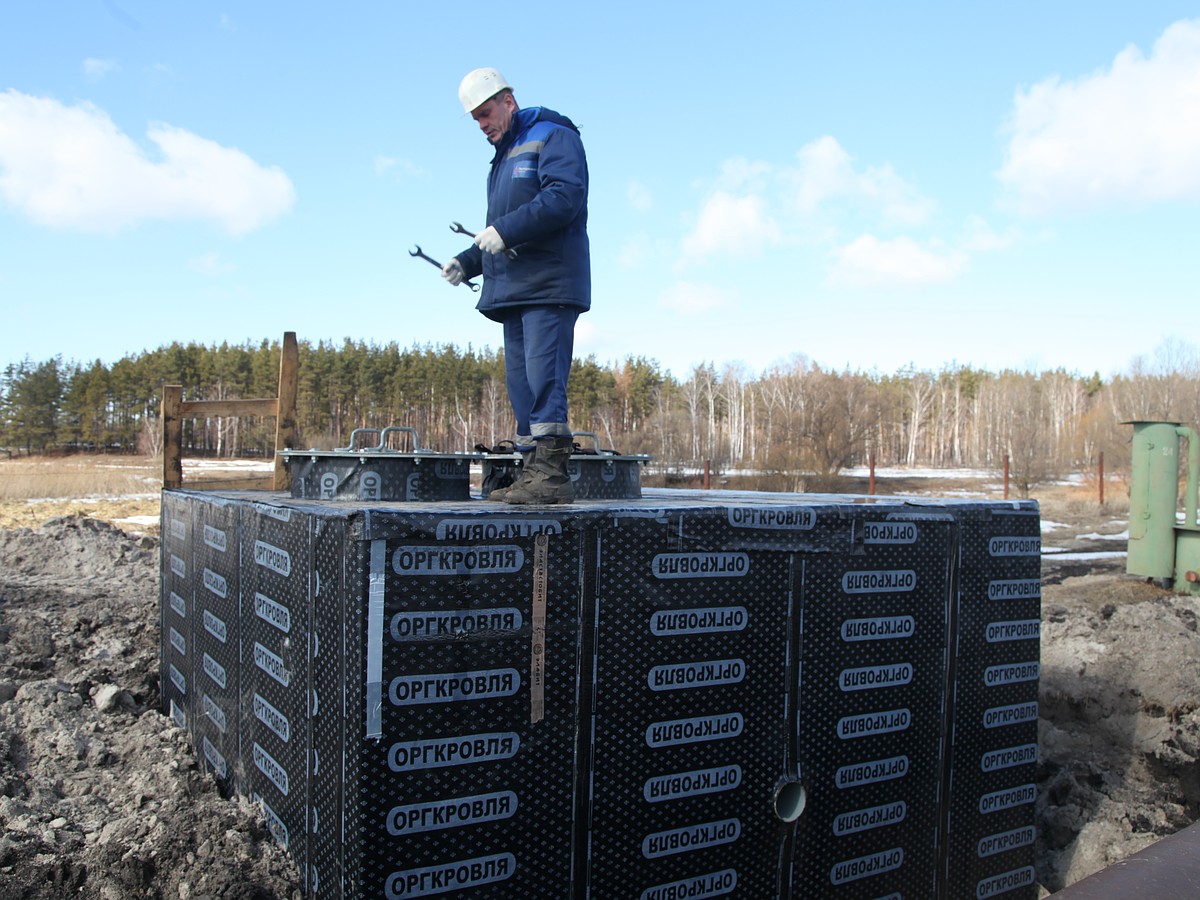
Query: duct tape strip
x,y
374,683
537,663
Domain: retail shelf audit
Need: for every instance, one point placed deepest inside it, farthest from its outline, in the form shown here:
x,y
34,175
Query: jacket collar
x,y
521,121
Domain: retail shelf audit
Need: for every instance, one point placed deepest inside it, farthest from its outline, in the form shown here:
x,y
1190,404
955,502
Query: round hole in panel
x,y
790,799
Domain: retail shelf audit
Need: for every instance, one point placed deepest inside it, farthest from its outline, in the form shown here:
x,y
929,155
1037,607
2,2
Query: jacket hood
x,y
544,114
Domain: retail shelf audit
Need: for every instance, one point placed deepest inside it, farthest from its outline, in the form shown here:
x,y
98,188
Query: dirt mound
x,y
99,796
1119,729
79,548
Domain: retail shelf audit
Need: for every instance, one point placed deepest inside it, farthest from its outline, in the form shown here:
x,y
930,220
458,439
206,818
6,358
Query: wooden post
x,y
172,430
707,475
1005,476
1101,478
282,407
871,479
285,417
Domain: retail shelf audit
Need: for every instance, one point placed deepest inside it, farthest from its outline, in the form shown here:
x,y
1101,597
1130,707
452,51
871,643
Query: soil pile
x,y
1119,727
99,794
100,797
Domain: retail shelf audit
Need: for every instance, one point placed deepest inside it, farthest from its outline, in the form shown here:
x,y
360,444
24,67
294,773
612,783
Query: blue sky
x,y
872,185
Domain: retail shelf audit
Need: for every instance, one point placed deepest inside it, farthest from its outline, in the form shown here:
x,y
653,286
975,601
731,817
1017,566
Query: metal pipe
x,y
1169,869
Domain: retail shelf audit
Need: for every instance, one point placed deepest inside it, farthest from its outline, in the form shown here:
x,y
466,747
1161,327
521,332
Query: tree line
x,y
796,423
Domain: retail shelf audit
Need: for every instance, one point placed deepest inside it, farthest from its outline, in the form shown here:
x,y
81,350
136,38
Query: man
x,y
536,265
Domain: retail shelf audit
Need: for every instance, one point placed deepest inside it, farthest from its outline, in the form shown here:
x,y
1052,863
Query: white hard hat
x,y
480,86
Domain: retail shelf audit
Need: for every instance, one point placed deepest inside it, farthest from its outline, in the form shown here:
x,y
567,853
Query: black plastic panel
x,y
766,696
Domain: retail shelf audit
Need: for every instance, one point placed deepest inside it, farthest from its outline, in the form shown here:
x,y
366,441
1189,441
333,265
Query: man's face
x,y
495,115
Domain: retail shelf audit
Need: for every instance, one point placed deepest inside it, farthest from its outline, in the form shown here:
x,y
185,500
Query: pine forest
x,y
795,425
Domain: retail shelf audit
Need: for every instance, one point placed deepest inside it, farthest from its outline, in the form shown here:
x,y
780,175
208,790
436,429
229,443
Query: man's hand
x,y
489,240
453,271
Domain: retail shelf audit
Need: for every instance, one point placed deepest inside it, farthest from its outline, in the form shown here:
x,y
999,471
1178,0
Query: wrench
x,y
458,229
418,252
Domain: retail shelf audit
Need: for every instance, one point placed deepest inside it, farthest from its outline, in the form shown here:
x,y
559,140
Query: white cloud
x,y
639,197
95,69
1129,134
730,226
825,173
385,164
869,262
744,175
210,264
691,298
979,235
896,199
635,251
71,167
641,248
753,206
585,334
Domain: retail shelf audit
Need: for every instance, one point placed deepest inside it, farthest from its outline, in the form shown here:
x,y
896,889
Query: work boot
x,y
526,462
545,480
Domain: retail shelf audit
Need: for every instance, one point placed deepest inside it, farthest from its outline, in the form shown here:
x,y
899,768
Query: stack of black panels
x,y
686,695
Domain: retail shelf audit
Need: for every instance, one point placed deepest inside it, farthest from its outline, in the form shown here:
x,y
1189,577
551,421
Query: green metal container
x,y
1187,534
1160,546
1153,498
1187,561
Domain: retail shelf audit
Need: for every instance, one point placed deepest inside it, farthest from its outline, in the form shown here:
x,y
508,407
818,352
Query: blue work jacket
x,y
537,200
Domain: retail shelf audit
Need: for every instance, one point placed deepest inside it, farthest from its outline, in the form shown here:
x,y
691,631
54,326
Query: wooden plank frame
x,y
283,407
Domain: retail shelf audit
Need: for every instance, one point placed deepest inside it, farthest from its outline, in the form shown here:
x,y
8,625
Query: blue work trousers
x,y
538,344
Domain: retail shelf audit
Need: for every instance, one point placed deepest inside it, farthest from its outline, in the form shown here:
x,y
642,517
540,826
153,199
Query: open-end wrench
x,y
458,229
429,259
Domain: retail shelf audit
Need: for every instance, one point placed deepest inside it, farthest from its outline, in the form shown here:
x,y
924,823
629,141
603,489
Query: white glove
x,y
453,271
489,240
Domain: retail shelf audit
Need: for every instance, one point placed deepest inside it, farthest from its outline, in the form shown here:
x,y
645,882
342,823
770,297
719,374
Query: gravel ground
x,y
100,798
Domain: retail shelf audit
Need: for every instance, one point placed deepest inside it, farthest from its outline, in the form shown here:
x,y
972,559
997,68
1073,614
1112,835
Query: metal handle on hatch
x,y
355,433
595,442
416,442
